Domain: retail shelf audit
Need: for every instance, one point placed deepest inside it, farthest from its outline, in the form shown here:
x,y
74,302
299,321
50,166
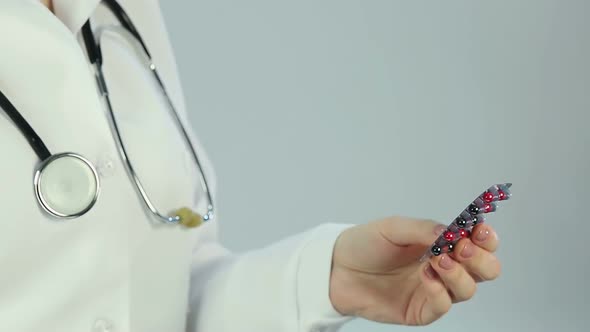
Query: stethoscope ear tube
x,y
184,216
94,52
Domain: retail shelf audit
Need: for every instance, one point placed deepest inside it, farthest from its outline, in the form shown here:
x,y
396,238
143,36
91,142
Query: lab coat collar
x,y
74,13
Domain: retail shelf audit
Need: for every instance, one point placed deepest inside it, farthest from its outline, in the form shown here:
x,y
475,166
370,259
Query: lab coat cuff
x,y
317,312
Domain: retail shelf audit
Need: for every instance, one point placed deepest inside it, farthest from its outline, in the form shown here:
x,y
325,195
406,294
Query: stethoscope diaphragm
x,y
67,185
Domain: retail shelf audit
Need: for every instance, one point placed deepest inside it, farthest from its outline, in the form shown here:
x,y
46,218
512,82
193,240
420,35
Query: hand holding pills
x,y
380,271
471,216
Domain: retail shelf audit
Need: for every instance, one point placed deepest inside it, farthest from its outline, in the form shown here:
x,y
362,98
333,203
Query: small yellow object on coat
x,y
188,218
195,221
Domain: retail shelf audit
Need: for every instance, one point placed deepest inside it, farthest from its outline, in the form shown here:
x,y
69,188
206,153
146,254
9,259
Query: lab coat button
x,y
103,325
106,166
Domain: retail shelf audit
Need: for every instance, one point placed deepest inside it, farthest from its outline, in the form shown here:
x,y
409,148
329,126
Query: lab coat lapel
x,y
73,13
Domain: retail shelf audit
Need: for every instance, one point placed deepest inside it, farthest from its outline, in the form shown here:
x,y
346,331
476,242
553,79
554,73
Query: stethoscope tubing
x,y
28,132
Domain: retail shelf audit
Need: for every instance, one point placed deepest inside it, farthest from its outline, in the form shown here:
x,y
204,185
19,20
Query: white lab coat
x,y
112,269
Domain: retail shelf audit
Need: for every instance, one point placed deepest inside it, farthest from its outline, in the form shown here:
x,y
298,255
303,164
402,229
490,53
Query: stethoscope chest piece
x,y
67,185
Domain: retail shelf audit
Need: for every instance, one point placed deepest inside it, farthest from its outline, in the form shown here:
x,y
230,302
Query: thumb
x,y
405,231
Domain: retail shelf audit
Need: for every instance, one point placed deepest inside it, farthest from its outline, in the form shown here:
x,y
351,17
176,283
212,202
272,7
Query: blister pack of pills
x,y
474,214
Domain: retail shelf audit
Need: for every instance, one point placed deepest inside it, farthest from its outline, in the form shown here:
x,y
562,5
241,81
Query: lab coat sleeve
x,y
281,287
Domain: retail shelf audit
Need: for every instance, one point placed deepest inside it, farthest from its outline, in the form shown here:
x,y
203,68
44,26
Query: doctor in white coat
x,y
114,268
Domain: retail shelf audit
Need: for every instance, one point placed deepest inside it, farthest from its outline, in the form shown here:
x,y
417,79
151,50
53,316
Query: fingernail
x,y
446,262
430,273
482,235
467,251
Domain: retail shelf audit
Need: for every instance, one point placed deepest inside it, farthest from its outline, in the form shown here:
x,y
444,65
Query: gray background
x,y
347,111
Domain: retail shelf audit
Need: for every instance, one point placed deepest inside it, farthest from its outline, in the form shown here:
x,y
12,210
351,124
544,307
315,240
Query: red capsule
x,y
449,236
463,233
501,195
487,208
488,197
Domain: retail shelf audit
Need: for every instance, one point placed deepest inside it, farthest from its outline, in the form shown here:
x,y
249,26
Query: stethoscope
x,y
67,184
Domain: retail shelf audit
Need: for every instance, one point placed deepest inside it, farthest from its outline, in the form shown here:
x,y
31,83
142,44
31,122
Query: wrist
x,y
345,295
314,278
336,293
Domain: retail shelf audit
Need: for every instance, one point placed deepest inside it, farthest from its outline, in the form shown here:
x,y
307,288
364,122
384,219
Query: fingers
x,y
455,277
446,281
452,278
479,262
438,300
469,264
485,237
